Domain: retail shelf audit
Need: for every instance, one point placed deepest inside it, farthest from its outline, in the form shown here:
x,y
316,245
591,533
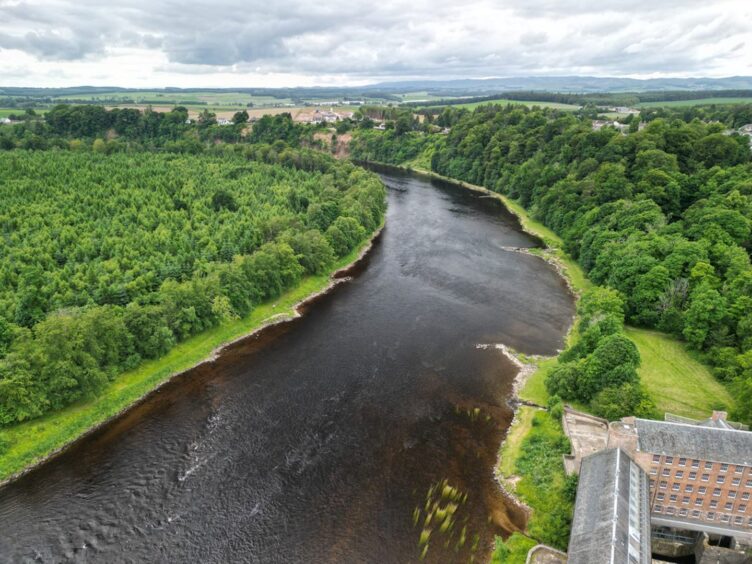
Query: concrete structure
x,y
700,474
611,516
588,435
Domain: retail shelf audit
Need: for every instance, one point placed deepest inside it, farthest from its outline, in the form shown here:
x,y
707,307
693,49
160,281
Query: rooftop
x,y
695,441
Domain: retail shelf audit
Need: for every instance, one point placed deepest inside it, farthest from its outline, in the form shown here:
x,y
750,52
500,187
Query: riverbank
x,y
32,443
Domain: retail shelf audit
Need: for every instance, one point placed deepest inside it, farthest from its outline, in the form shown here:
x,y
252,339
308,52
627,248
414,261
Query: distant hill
x,y
573,84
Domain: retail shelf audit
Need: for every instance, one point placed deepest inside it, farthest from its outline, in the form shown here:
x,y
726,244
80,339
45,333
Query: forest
x,y
112,259
660,217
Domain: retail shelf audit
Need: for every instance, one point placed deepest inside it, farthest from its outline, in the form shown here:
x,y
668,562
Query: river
x,y
323,440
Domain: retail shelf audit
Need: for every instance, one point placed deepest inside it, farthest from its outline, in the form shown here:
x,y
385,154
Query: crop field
x,y
700,102
530,104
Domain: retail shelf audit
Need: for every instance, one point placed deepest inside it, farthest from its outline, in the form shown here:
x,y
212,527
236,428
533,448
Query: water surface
x,y
317,441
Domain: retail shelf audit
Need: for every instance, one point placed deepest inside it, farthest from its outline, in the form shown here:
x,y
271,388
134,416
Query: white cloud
x,y
295,42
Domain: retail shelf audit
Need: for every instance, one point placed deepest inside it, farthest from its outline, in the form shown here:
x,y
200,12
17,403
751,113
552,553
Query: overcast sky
x,y
223,43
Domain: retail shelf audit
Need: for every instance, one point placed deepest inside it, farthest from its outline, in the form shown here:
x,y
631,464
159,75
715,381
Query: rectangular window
x,y
675,487
702,489
656,458
695,514
669,460
742,507
724,518
695,463
666,472
693,475
745,496
720,479
708,466
724,467
732,494
658,509
736,482
739,520
705,477
689,488
664,484
728,506
713,503
682,461
749,483
683,512
711,515
679,474
685,500
739,469
670,510
661,496
653,470
717,492
673,498
699,501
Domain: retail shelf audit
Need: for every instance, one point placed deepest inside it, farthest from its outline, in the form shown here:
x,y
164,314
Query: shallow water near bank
x,y
323,439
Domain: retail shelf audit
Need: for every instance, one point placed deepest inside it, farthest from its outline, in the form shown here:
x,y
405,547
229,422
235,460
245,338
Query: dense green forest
x,y
662,215
110,259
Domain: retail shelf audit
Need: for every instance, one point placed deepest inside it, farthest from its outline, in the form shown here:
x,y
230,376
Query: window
x,y
728,506
666,472
673,498
661,496
732,494
724,518
682,461
724,467
658,509
708,466
745,496
736,481
720,479
695,514
749,483
693,475
711,515
699,501
742,507
683,512
717,492
695,463
656,458
702,490
653,470
689,488
675,487
739,469
738,520
705,477
669,460
713,503
685,500
664,484
679,474
670,510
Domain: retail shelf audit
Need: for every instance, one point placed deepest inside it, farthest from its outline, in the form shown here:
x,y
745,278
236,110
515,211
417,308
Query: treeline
x,y
661,215
109,260
130,129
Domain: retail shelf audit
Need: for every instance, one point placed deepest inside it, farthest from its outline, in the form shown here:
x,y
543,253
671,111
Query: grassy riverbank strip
x,y
29,444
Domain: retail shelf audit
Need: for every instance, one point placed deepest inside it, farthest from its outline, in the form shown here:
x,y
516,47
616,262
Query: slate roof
x,y
601,523
695,441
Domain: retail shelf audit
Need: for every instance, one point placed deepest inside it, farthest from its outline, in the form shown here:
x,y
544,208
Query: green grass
x,y
510,450
513,550
30,441
675,380
530,104
700,102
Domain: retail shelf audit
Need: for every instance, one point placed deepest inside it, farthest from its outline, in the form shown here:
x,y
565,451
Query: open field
x,y
33,440
675,380
688,103
530,104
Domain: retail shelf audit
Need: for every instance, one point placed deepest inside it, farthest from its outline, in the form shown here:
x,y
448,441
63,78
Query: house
x,y
223,121
611,521
599,124
5,121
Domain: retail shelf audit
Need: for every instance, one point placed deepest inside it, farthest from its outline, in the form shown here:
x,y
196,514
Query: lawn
x,y
700,102
510,450
30,441
676,381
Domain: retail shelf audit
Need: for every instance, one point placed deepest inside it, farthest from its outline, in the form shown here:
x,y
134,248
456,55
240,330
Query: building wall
x,y
699,490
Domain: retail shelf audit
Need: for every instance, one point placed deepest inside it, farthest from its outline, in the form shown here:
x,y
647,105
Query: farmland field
x,y
700,102
530,104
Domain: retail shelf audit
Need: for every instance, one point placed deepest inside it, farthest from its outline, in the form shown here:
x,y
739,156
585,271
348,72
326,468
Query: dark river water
x,y
326,439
